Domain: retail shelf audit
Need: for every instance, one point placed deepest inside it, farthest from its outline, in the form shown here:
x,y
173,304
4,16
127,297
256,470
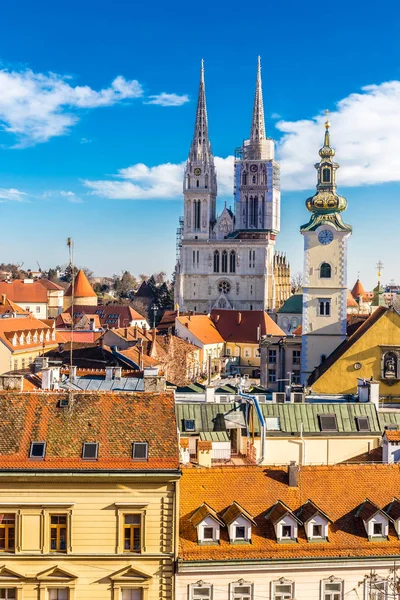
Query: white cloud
x,y
12,194
36,107
164,182
165,99
71,197
365,131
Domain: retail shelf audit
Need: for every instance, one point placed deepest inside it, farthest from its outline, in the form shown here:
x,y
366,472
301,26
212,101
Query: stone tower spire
x,y
258,122
200,150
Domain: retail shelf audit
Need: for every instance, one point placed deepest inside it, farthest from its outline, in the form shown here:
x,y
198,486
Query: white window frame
x,y
324,301
368,589
282,581
330,581
201,584
240,584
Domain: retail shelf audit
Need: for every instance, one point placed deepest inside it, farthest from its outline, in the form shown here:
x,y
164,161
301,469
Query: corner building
x,y
227,261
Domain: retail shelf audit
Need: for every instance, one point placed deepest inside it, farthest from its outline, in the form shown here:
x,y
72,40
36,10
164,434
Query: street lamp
x,y
154,308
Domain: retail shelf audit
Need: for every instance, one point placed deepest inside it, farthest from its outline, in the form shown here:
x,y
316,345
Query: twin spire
x,y
201,148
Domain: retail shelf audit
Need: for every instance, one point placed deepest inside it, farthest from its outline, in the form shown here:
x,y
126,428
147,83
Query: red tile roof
x,y
110,315
337,490
82,287
18,291
113,420
392,436
50,285
350,300
358,290
243,326
202,327
10,327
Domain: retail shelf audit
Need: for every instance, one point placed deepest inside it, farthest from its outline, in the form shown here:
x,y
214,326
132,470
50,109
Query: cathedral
x,y
229,260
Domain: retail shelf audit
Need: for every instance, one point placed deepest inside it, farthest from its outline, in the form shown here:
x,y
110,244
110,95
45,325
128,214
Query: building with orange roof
x,y
22,340
88,495
109,316
80,292
41,297
201,331
325,533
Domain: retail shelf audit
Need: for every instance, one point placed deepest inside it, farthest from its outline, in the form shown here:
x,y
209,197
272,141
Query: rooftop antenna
x,y
70,244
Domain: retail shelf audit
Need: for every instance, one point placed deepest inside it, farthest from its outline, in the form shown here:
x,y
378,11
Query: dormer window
x,y
189,425
240,533
35,337
15,340
239,523
22,339
41,336
208,524
316,522
375,520
285,522
28,338
47,336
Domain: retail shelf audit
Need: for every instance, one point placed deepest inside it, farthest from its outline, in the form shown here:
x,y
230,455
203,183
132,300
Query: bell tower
x,y
325,265
200,180
257,188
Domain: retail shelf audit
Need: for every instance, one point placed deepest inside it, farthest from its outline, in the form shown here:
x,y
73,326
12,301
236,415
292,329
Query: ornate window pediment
x,y
390,364
56,574
130,574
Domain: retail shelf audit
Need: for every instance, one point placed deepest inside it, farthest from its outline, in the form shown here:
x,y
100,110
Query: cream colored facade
x,y
94,564
306,580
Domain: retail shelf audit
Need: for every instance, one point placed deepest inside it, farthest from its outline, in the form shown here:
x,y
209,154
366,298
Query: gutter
x,y
256,404
92,473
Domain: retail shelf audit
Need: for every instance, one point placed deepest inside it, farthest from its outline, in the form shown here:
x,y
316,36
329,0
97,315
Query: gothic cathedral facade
x,y
325,266
227,261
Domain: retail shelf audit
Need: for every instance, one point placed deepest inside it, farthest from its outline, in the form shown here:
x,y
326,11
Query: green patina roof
x,y
226,389
388,418
209,416
291,416
214,436
195,388
294,304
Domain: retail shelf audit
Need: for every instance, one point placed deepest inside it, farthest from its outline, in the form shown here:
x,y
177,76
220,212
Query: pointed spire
x,y
201,149
258,122
327,151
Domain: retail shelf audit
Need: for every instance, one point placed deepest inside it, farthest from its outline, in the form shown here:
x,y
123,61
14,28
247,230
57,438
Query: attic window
x,y
328,422
140,450
363,424
272,424
90,451
286,532
189,425
37,450
240,533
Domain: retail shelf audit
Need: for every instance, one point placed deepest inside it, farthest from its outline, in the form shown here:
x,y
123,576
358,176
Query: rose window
x,y
224,287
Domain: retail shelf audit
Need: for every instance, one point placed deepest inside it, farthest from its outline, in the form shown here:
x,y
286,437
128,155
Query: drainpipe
x,y
254,401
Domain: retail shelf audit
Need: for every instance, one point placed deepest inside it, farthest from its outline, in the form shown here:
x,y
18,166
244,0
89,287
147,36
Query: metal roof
x,y
210,416
214,436
291,416
388,418
98,384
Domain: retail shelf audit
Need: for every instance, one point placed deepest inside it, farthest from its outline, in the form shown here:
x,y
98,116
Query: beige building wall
x,y
83,301
94,565
315,450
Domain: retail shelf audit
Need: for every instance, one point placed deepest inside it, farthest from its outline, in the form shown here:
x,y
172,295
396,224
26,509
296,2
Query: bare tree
x,y
296,282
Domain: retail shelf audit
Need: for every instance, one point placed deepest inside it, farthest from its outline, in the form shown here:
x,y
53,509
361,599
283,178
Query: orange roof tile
x,y
18,291
10,327
350,300
203,328
337,490
358,290
82,287
244,326
392,436
114,420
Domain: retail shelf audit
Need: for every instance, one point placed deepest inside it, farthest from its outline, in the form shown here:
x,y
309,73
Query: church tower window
x,y
197,214
197,183
188,182
216,261
206,181
244,179
224,262
324,307
326,175
232,262
326,271
254,178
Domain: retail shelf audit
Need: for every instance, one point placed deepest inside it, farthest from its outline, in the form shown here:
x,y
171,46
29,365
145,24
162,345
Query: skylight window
x,y
90,451
363,424
328,422
37,450
189,425
140,450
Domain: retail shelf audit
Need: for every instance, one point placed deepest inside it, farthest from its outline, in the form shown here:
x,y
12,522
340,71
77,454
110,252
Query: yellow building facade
x,y
88,497
372,351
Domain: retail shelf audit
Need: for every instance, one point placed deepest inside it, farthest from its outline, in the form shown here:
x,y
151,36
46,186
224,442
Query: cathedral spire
x,y
201,149
258,122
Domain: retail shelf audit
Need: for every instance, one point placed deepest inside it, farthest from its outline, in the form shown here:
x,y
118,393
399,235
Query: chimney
x,y
153,334
239,318
72,373
293,472
210,394
109,373
117,372
135,331
91,325
126,333
368,391
3,299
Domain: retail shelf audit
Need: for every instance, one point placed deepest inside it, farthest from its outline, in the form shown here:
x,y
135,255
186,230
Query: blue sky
x,y
90,90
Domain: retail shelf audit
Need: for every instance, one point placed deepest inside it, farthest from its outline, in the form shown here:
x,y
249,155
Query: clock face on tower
x,y
253,168
197,171
325,236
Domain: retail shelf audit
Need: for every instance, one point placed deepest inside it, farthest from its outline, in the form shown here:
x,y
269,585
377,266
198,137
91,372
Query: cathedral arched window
x,y
197,214
326,175
197,183
216,261
224,262
254,178
206,181
232,262
188,182
325,271
244,179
